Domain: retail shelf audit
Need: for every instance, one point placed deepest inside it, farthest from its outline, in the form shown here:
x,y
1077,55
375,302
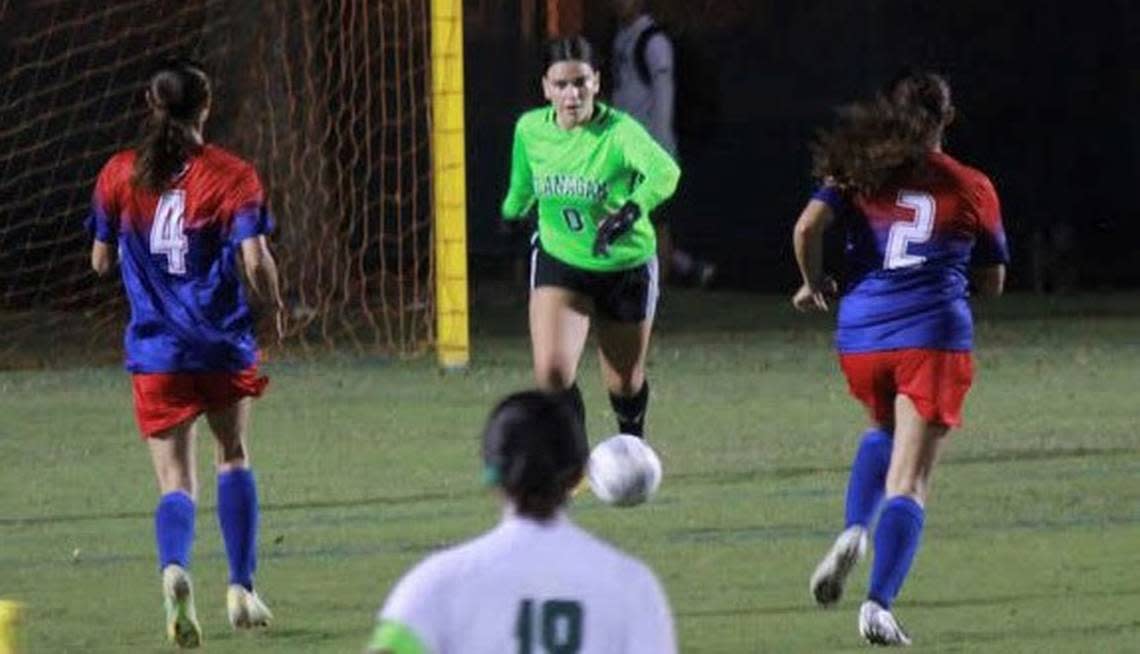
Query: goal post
x,y
449,185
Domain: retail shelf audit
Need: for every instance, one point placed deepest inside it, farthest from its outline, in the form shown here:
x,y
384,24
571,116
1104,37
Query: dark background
x,y
1048,95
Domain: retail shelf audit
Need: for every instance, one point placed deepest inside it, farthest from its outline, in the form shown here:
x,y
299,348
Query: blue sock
x,y
896,542
237,517
868,477
174,529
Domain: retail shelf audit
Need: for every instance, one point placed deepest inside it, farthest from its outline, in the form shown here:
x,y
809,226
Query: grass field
x,y
1032,545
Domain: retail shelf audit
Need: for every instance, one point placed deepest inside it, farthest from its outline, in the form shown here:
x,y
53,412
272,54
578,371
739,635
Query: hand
x,y
280,319
613,226
814,296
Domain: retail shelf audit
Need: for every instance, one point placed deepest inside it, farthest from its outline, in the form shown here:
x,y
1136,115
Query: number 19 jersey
x,y
528,587
908,250
177,254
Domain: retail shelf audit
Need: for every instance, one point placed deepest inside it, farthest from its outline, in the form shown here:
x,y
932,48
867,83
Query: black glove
x,y
613,226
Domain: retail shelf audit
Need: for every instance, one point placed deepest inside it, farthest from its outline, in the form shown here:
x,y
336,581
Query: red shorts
x,y
166,399
935,380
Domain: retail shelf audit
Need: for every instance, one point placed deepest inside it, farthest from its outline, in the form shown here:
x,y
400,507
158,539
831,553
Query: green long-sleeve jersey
x,y
580,175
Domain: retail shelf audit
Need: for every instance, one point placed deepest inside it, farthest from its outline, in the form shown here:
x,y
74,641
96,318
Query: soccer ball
x,y
623,470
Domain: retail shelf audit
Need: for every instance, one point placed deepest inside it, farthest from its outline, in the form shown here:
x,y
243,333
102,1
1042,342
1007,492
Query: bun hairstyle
x,y
178,93
569,48
878,139
923,95
535,449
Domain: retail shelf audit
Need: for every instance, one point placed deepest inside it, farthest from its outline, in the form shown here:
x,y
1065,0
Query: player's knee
x,y
173,478
628,386
554,377
626,382
231,454
912,487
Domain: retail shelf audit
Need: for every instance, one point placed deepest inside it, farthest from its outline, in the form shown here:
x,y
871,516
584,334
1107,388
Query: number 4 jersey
x,y
177,253
908,250
527,587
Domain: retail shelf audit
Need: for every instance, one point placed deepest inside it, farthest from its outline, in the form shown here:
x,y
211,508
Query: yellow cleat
x,y
245,608
10,618
182,626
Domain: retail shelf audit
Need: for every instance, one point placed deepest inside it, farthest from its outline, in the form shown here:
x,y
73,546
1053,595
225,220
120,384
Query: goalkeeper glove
x,y
613,226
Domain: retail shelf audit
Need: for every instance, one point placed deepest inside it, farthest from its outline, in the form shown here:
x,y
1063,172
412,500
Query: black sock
x,y
573,398
630,411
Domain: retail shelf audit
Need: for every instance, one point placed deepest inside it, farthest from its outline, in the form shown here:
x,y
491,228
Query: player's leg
x,y
869,381
625,323
622,350
917,445
918,442
238,514
172,453
932,389
559,325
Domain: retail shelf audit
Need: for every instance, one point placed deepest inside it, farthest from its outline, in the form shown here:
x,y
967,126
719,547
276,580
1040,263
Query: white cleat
x,y
879,627
245,608
182,626
827,580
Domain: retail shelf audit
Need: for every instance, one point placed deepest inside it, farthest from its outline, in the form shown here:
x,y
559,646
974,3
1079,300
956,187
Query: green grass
x,y
366,465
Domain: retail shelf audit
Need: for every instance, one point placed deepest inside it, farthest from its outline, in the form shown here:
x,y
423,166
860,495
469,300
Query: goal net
x,y
328,98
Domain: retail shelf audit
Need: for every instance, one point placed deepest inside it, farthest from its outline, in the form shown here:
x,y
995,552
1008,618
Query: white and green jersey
x,y
580,175
527,587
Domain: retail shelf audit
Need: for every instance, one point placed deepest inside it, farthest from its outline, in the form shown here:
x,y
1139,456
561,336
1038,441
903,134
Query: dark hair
x,y
535,448
178,92
876,140
568,48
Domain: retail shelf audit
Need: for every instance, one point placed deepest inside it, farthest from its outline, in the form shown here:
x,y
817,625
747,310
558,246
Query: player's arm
x,y
659,57
261,273
102,222
102,257
391,637
657,173
409,620
990,256
520,193
251,223
807,242
658,170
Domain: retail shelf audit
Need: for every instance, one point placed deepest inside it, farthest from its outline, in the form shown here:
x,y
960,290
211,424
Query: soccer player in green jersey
x,y
595,174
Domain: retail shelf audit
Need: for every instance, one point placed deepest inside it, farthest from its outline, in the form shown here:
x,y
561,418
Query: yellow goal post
x,y
449,182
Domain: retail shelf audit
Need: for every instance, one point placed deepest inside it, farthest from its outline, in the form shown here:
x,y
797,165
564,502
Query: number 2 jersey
x,y
580,175
177,254
909,247
527,586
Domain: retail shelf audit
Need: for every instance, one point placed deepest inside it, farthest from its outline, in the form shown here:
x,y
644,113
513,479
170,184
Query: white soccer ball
x,y
623,470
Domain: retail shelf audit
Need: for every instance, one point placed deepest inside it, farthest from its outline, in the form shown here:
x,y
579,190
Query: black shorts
x,y
620,296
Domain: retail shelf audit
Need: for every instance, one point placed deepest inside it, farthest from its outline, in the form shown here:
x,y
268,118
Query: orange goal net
x,y
328,98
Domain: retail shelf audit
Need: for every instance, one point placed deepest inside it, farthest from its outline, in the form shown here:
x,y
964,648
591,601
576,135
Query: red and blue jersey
x,y
908,250
177,252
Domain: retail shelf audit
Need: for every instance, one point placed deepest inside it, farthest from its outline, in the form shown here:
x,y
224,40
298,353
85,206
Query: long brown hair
x,y
875,140
178,93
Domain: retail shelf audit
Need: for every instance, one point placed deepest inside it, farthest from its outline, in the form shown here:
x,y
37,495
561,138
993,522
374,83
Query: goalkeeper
x,y
595,174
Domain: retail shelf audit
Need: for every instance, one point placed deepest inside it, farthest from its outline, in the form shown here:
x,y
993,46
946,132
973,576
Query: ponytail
x,y
535,449
178,93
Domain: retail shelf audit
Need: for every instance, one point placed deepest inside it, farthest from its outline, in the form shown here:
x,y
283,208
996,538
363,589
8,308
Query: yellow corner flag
x,y
10,615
